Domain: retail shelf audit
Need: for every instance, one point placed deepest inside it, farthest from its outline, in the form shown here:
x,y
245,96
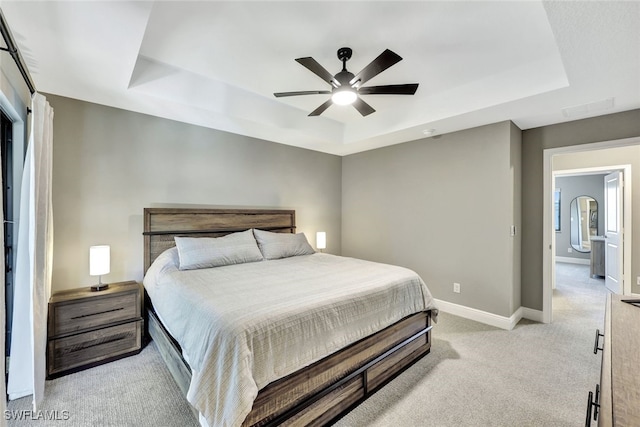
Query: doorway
x,y
579,238
6,152
597,162
12,132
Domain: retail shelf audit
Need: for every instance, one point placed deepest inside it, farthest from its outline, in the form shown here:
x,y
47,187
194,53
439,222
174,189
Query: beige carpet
x,y
136,391
476,375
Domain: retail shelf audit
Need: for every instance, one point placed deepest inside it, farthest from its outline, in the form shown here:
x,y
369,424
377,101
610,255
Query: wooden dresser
x,y
87,328
616,401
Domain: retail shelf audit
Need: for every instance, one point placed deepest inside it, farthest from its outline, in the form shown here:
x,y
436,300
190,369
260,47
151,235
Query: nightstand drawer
x,y
94,312
94,346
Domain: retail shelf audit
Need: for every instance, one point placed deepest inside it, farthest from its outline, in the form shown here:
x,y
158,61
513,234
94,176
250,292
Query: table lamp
x,y
99,264
321,240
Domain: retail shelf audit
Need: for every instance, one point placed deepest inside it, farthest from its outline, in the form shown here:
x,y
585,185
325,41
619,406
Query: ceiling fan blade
x,y
317,69
321,108
362,107
385,60
305,92
406,89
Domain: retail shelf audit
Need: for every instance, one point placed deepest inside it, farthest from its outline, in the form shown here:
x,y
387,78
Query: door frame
x,y
549,241
10,107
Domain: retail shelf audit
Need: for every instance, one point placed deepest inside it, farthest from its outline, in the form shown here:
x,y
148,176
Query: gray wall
x,y
534,142
572,187
515,181
109,164
437,205
442,207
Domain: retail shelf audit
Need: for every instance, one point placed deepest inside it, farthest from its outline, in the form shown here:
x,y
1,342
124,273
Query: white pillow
x,y
205,252
282,245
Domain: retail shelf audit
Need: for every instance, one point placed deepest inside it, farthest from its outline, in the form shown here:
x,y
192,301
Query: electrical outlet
x,y
638,280
456,288
569,250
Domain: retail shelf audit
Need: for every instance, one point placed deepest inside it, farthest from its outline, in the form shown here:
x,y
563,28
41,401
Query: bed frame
x,y
317,394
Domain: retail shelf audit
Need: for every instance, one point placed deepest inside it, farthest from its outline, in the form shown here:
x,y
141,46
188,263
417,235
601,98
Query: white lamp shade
x,y
99,260
344,96
321,240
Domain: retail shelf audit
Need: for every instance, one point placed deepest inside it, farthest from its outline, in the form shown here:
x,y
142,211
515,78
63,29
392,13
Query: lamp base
x,y
100,287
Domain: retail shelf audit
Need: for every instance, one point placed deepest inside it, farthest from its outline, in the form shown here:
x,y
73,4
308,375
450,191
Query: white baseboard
x,y
531,314
568,260
487,318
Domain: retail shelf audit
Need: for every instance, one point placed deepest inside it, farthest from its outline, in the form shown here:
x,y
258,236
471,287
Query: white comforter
x,y
243,326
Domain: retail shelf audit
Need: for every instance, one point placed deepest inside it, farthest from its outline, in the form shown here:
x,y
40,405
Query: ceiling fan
x,y
346,87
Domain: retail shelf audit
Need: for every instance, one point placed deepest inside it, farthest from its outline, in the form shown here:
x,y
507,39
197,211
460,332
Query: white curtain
x,y
27,366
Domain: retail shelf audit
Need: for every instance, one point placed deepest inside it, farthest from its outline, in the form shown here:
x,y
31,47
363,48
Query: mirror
x,y
584,222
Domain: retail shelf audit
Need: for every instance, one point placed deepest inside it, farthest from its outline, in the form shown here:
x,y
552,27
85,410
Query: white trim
x,y
548,232
567,260
548,239
487,318
18,142
531,314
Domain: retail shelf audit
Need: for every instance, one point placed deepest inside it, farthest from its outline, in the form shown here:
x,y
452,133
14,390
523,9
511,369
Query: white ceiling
x,y
217,64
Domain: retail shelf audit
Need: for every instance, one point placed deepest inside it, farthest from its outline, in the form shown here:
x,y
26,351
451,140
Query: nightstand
x,y
88,328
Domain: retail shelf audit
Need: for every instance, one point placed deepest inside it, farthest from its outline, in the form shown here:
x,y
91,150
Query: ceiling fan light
x,y
344,97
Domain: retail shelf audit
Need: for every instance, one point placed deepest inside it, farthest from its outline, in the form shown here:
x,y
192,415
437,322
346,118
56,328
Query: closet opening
x,y
6,148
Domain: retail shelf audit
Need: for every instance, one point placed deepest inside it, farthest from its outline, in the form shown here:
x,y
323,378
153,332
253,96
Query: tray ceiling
x,y
217,64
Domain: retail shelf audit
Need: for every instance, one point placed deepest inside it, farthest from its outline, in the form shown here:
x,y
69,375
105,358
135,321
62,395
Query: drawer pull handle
x,y
593,405
100,341
595,346
82,316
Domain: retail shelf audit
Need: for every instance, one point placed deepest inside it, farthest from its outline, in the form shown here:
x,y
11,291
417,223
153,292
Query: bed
x,y
324,386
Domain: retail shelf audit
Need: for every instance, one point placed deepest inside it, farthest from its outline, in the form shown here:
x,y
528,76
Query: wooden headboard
x,y
161,225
